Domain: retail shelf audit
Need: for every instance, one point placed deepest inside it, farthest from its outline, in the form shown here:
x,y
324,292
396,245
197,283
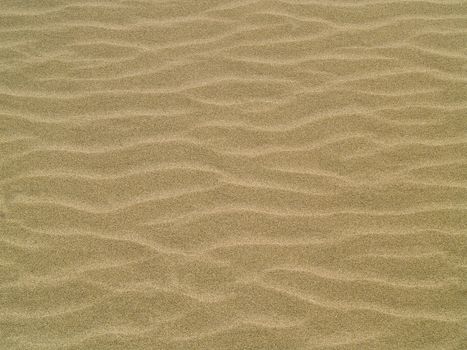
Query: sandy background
x,y
233,175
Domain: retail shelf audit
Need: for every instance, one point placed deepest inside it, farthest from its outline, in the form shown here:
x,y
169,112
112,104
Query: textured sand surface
x,y
233,174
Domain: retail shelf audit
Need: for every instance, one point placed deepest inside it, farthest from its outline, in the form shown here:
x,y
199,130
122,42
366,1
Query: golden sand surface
x,y
233,174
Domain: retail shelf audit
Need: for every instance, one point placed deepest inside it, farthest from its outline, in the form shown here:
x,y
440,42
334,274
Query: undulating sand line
x,y
233,174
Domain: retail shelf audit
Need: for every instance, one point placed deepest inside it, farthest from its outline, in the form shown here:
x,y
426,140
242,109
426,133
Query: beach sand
x,y
233,174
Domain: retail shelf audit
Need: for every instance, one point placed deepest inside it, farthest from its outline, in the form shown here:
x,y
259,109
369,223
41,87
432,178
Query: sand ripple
x,y
241,174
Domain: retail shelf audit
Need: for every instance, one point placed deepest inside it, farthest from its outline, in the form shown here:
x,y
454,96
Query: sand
x,y
233,174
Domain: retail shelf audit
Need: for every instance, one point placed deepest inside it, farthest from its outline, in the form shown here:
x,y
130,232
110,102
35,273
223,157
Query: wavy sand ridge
x,y
276,175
